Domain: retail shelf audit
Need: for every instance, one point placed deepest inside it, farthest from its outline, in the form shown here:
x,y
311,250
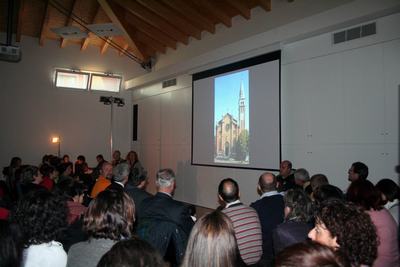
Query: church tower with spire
x,y
242,121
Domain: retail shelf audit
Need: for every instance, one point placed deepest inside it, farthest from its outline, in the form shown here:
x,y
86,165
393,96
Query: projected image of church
x,y
231,118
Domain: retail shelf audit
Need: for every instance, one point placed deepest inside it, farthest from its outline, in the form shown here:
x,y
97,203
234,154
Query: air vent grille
x,y
354,33
168,83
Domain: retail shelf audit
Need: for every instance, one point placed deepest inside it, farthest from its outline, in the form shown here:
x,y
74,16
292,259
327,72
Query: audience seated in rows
x,y
109,218
246,223
365,233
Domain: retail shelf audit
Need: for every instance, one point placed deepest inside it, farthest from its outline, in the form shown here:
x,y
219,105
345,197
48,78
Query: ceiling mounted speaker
x,y
104,29
70,32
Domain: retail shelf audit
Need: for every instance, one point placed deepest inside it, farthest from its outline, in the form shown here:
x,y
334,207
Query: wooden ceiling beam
x,y
86,41
153,19
153,43
143,38
240,6
191,14
124,49
150,30
142,45
63,41
116,15
45,22
173,17
106,44
217,13
265,4
20,20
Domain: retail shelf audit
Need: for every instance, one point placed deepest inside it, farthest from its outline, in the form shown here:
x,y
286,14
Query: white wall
x,y
339,105
33,110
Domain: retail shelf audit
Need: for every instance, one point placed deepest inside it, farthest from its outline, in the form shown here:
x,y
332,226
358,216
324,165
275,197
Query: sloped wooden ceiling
x,y
148,26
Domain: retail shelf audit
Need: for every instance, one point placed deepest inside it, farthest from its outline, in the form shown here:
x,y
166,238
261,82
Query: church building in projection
x,y
228,130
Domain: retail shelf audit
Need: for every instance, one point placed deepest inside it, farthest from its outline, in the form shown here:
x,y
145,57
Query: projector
x,y
10,53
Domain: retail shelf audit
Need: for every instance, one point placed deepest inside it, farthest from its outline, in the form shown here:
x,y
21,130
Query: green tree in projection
x,y
242,145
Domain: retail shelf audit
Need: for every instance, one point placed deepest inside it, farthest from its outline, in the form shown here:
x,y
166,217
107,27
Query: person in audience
x,y
10,175
295,228
65,159
246,223
132,252
75,194
30,178
135,188
364,194
108,219
96,170
120,176
49,174
116,158
285,179
103,181
390,195
301,177
164,222
65,171
347,229
327,192
317,180
11,244
42,216
212,243
81,167
133,160
270,210
310,254
358,170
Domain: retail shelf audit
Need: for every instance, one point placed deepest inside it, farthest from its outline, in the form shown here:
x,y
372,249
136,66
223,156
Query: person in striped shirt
x,y
245,222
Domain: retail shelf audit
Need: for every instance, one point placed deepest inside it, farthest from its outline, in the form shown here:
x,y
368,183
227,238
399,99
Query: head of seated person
x,y
346,228
41,216
310,254
298,206
111,215
363,193
131,252
212,242
327,192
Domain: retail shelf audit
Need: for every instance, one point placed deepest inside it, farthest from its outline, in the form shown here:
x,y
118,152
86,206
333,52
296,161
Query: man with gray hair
x,y
120,176
164,222
301,177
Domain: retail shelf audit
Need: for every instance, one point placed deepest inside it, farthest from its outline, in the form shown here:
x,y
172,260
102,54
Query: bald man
x,y
245,222
270,210
103,181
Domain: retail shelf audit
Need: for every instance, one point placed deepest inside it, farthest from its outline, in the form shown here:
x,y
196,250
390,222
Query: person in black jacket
x,y
164,222
270,211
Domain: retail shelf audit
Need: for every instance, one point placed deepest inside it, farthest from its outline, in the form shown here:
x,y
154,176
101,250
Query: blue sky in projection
x,y
226,95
